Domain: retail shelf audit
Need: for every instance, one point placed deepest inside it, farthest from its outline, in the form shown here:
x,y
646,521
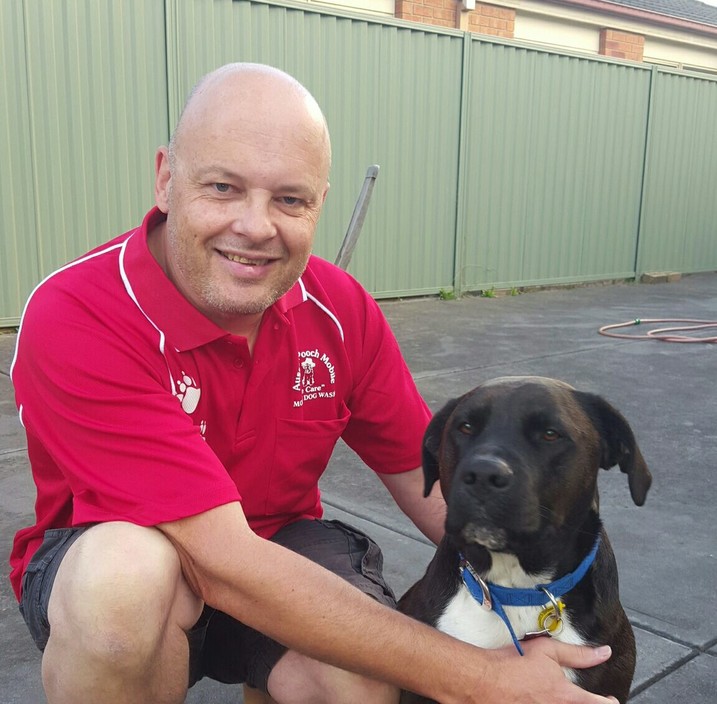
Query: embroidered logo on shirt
x,y
315,377
188,393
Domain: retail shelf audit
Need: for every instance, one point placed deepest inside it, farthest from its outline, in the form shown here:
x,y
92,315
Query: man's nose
x,y
253,217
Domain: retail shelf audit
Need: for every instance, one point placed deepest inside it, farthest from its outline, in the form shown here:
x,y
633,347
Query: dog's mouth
x,y
476,526
494,539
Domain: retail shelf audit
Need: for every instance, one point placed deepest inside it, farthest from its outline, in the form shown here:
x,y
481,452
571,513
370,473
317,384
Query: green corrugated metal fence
x,y
85,84
501,164
19,263
555,152
679,223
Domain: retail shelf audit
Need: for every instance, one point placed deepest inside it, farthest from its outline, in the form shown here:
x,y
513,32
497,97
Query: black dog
x,y
525,552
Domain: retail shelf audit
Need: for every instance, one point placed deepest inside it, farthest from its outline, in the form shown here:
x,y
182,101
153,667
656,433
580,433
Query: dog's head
x,y
517,455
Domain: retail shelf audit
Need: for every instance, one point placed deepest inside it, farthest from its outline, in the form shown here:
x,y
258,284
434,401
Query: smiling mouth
x,y
243,260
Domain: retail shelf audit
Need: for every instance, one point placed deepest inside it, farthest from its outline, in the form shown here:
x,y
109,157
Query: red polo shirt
x,y
138,408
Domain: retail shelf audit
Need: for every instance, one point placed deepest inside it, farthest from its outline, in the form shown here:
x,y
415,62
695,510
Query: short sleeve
x,y
100,416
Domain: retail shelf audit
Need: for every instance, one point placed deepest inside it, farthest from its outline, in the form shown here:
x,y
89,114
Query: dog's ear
x,y
618,444
432,444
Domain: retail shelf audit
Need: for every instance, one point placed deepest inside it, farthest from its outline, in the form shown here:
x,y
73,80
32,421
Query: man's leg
x,y
233,652
296,679
118,612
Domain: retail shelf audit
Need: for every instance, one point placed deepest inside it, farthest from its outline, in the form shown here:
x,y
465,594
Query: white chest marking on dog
x,y
464,618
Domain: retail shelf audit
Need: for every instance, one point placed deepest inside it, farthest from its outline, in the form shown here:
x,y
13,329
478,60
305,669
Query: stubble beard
x,y
216,300
247,301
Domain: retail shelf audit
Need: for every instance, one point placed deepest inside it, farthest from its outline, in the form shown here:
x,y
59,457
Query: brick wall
x,y
440,13
500,22
485,19
621,45
489,19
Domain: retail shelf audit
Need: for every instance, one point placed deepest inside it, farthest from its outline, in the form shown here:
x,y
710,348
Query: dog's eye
x,y
550,435
466,428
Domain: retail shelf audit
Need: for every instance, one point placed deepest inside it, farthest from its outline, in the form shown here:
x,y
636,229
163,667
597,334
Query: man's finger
x,y
582,656
567,655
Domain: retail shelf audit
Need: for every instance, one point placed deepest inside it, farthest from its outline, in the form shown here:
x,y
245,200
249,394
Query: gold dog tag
x,y
549,619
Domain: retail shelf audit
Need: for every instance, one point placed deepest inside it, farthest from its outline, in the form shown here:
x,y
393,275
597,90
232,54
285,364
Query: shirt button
x,y
238,362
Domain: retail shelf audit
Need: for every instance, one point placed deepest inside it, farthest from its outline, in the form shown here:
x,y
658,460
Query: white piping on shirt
x,y
32,293
313,299
47,278
131,294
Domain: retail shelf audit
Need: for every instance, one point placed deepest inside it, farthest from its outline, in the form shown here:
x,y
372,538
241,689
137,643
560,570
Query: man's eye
x,y
222,187
290,200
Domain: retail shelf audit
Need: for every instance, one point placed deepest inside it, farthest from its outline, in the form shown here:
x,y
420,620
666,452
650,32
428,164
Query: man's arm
x,y
428,514
315,612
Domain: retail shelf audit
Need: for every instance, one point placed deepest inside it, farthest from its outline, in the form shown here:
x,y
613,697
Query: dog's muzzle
x,y
487,500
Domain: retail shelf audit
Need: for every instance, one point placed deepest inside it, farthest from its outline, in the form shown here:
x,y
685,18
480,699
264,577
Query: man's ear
x,y
162,179
432,439
618,444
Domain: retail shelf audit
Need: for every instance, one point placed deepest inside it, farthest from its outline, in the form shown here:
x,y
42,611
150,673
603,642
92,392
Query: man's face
x,y
242,195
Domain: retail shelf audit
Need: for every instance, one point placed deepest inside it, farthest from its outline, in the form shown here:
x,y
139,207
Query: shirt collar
x,y
184,326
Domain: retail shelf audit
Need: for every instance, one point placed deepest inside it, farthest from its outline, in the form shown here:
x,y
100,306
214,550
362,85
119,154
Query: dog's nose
x,y
488,472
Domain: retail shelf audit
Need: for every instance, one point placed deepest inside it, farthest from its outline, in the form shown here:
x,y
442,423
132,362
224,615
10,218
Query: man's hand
x,y
538,677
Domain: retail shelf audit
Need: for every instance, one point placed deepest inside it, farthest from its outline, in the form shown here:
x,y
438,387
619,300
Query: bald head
x,y
237,91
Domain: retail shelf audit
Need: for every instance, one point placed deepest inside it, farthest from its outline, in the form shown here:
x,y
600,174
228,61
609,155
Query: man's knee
x,y
116,589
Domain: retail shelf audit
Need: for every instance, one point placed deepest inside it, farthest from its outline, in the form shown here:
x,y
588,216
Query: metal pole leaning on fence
x,y
359,215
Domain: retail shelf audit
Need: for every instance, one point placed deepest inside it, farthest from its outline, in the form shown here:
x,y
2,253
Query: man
x,y
182,388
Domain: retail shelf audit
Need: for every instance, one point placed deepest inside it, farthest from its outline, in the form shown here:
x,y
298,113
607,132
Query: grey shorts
x,y
221,647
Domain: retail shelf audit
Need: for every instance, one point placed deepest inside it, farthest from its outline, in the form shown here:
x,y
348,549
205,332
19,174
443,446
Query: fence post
x,y
639,240
459,236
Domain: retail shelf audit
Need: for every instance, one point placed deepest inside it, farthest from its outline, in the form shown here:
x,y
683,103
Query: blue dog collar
x,y
494,597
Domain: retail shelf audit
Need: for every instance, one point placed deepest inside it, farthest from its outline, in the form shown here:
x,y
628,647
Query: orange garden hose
x,y
668,334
